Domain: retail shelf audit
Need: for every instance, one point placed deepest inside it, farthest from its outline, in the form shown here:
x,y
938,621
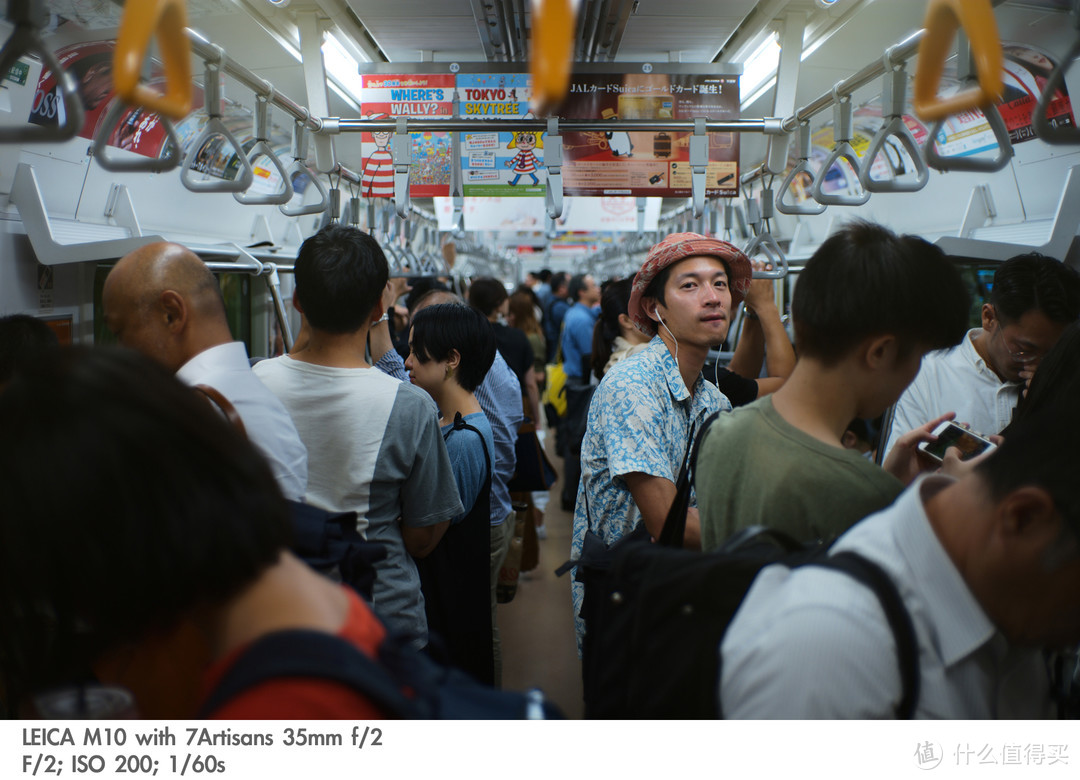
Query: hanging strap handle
x,y
214,126
810,207
894,99
842,113
1061,133
300,166
943,19
168,18
28,16
138,163
262,147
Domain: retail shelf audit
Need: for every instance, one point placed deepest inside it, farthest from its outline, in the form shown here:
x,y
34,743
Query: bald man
x,y
163,301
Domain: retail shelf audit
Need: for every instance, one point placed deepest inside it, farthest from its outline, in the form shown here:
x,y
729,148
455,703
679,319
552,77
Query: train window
x,y
235,289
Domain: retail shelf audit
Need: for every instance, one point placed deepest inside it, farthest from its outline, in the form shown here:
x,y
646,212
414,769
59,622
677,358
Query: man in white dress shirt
x,y
163,301
1032,300
988,567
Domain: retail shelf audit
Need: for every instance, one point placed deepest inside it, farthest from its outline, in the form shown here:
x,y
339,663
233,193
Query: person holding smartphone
x,y
1033,299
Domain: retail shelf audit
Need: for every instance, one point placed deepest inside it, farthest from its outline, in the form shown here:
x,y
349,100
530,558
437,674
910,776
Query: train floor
x,y
537,627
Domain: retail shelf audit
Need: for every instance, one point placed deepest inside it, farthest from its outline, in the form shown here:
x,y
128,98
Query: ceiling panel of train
x,y
839,38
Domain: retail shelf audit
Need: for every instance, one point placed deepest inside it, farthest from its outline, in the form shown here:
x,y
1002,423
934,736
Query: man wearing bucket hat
x,y
646,408
868,305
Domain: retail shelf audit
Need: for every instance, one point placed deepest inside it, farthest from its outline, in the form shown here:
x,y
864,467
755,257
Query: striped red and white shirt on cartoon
x,y
524,161
378,177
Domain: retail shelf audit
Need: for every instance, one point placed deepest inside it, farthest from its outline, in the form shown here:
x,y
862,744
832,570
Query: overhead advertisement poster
x,y
499,163
417,96
648,163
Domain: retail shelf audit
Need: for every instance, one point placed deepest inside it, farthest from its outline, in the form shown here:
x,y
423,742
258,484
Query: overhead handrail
x,y
551,51
553,160
1048,132
262,147
842,149
943,19
137,163
300,166
28,17
401,147
893,102
810,207
763,243
167,18
214,126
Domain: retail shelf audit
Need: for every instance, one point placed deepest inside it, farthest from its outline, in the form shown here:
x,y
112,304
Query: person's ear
x,y
296,302
989,317
650,305
453,359
174,309
880,352
1030,523
377,311
625,321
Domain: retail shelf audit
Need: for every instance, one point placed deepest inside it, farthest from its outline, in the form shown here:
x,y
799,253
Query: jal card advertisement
x,y
648,163
426,96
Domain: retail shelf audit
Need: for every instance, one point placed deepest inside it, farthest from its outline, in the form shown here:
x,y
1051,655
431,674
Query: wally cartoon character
x,y
378,175
525,162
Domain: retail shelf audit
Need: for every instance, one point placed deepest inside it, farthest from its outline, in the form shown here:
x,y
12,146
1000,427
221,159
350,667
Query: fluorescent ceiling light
x,y
759,69
342,68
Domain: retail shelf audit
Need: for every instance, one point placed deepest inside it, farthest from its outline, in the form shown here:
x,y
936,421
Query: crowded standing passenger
x,y
988,568
163,301
780,461
169,537
451,348
373,442
489,296
578,327
499,395
1032,300
645,410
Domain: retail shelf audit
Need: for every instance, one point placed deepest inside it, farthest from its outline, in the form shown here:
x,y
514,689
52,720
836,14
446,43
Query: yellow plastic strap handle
x,y
943,19
552,52
141,19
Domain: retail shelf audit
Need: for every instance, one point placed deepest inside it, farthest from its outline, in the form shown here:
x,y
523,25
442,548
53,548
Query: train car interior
x,y
502,137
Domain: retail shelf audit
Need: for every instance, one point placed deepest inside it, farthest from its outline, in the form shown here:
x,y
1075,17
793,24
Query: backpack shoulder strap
x,y
216,397
907,646
314,654
460,424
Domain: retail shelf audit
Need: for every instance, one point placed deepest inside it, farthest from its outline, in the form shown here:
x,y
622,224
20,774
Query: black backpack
x,y
402,682
655,614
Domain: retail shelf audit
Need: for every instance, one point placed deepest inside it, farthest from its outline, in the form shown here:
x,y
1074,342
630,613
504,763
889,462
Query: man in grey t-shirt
x,y
374,445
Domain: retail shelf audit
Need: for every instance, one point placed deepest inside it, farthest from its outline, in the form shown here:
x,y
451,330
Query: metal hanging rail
x,y
767,125
210,51
894,55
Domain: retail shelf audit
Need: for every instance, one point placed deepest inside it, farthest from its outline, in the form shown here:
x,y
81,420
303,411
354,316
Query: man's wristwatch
x,y
385,316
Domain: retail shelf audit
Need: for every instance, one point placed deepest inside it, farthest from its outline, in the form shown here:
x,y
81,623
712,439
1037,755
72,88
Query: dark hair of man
x,y
487,294
1036,282
1040,450
420,289
613,302
577,284
441,292
438,329
655,288
544,275
22,338
558,280
340,275
866,281
1057,378
150,505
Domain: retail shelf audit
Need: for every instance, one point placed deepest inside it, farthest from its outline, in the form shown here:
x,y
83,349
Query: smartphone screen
x,y
955,436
